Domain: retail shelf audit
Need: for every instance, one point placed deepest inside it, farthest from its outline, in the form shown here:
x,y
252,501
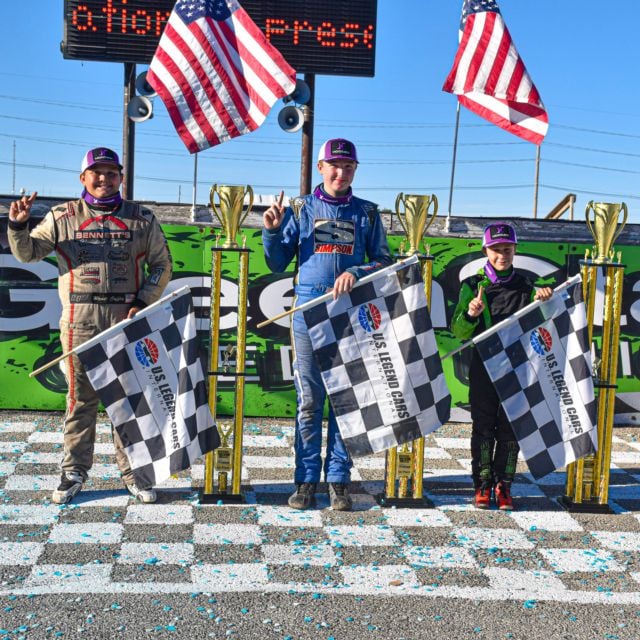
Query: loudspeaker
x,y
139,109
143,87
291,119
300,95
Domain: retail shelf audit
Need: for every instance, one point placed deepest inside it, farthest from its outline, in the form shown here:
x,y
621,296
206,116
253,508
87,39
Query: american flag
x,y
216,72
489,77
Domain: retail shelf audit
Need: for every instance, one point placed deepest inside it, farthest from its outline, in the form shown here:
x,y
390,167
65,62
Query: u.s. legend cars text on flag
x,y
147,374
540,364
377,352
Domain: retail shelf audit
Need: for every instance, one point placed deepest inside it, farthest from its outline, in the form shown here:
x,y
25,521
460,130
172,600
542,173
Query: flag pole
x,y
116,327
518,314
195,186
453,166
327,296
536,182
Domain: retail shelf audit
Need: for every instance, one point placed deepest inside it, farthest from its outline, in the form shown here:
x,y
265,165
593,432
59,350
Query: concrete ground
x,y
105,566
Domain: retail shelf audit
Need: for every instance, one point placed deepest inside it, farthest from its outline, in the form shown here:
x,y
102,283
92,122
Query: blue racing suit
x,y
330,236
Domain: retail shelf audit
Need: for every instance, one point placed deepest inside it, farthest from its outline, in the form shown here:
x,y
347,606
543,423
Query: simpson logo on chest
x,y
334,236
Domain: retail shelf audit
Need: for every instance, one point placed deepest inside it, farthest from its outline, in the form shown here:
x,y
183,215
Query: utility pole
x,y
306,165
128,131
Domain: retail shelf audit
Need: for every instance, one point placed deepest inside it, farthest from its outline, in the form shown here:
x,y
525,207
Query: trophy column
x,y
404,466
223,467
587,484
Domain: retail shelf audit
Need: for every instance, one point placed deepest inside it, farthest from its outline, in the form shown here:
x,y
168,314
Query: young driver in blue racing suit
x,y
337,239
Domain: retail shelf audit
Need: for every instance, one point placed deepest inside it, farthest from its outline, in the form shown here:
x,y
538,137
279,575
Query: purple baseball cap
x,y
338,149
498,233
99,155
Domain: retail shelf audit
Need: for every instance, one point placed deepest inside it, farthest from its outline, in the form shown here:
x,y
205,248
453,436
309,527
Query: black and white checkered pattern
x,y
147,374
540,363
379,360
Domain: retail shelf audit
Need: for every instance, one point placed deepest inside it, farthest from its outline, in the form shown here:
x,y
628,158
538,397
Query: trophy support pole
x,y
587,485
404,467
218,490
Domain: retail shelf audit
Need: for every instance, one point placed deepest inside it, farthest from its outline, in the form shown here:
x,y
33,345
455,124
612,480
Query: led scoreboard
x,y
332,37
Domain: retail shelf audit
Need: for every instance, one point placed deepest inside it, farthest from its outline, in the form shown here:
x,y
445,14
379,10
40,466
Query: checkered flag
x,y
147,374
377,352
540,363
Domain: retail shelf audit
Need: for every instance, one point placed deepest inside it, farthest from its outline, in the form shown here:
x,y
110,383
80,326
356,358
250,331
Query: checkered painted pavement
x,y
105,542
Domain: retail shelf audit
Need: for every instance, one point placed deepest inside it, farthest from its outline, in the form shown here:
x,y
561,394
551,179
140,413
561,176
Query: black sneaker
x,y
304,496
339,497
70,485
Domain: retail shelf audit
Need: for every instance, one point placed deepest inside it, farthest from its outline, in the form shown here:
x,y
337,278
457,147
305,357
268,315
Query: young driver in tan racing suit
x,y
113,260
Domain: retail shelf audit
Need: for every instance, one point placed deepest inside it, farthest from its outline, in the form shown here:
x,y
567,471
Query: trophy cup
x,y
229,213
416,219
296,205
605,227
223,458
227,460
405,469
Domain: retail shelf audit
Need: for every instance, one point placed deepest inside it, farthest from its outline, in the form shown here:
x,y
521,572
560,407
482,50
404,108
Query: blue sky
x,y
582,57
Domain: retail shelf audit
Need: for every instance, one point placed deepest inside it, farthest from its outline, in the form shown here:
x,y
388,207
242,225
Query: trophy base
x,y
587,506
221,498
404,503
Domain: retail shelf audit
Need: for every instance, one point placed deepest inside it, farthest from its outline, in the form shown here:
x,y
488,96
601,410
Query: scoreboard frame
x,y
328,37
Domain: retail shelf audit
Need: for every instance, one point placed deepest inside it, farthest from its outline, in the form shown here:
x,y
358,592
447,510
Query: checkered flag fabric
x,y
540,363
379,360
147,374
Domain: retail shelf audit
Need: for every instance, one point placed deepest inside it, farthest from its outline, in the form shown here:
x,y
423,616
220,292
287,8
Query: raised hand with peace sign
x,y
272,217
476,305
20,210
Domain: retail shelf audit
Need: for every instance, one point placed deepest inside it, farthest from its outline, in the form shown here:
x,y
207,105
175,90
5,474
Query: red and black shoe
x,y
503,496
482,498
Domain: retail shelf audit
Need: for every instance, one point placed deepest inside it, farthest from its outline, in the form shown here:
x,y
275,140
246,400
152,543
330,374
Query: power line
x,y
271,141
385,161
592,149
290,187
358,124
626,196
598,131
589,166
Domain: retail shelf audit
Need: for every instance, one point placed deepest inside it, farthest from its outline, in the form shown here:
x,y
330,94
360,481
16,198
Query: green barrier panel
x,y
30,312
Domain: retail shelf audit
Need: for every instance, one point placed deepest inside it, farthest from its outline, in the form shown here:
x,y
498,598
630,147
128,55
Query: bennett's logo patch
x,y
103,229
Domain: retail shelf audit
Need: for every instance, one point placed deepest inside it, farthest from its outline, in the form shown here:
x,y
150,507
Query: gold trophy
x,y
224,458
405,469
296,205
230,209
416,219
605,227
404,466
226,463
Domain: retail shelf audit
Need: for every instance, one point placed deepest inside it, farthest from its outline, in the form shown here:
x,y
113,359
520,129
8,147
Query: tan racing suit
x,y
108,261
